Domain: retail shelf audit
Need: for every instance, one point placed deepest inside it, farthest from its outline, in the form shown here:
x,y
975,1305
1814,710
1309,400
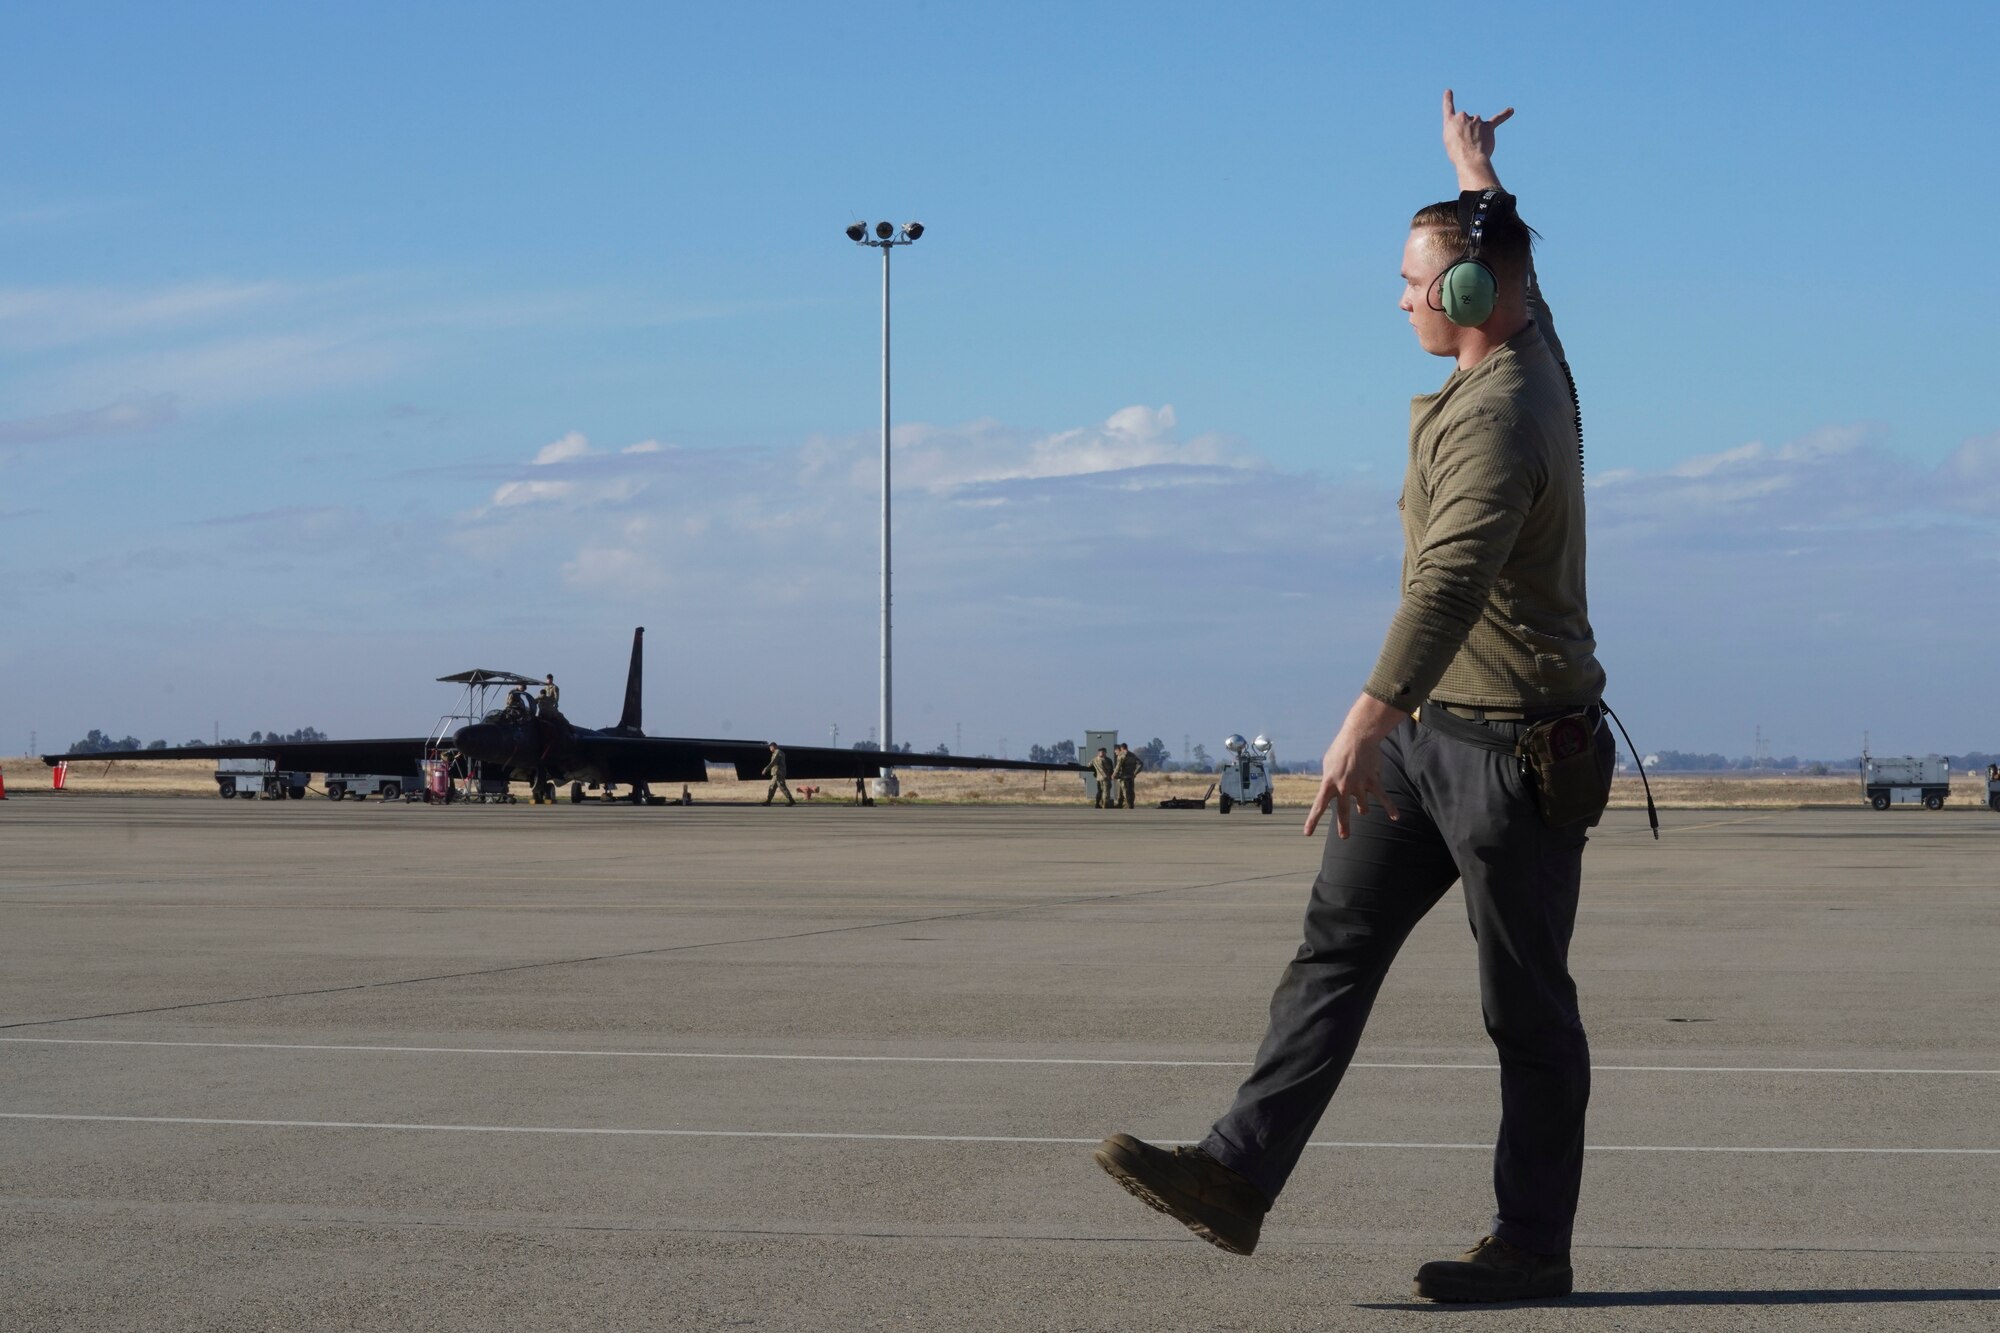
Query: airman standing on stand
x,y
549,699
775,770
1101,766
1125,772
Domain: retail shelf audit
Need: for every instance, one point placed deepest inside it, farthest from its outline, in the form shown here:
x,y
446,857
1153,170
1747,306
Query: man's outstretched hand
x,y
1469,142
1352,768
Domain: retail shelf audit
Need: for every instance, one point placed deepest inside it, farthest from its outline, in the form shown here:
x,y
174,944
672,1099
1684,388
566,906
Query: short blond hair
x,y
1508,243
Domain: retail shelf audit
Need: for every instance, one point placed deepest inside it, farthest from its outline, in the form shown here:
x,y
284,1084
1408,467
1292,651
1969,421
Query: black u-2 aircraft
x,y
540,746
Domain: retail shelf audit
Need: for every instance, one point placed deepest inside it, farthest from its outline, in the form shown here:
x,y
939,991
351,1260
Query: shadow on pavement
x,y
1808,1296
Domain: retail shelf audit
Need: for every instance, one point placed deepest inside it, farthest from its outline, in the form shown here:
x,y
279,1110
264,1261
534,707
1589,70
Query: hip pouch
x,y
1572,784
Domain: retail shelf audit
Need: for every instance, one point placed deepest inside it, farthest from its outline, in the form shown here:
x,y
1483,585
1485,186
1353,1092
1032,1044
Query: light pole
x,y
887,236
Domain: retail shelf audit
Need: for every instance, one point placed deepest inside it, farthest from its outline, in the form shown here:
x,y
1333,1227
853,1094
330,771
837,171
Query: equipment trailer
x,y
360,786
251,778
1908,780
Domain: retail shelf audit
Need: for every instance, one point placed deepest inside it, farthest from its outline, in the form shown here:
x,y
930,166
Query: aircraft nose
x,y
482,741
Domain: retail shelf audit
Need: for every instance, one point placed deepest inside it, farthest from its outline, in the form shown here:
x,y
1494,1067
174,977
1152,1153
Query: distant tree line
x,y
1679,761
99,743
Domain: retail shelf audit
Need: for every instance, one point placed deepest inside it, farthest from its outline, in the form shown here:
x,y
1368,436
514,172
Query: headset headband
x,y
1475,231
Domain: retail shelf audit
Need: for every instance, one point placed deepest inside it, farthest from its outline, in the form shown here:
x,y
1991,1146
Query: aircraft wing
x,y
632,759
819,761
399,755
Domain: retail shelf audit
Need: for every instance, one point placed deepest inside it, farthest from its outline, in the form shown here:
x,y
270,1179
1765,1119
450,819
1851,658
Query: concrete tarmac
x,y
314,1065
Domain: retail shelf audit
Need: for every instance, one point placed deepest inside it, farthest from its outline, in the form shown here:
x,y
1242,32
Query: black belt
x,y
1473,713
1464,723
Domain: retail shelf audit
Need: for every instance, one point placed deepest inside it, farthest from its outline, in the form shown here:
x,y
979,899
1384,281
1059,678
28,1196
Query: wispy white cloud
x,y
1971,475
1833,480
43,317
228,340
208,371
982,452
572,445
614,568
292,516
530,492
129,416
982,501
571,471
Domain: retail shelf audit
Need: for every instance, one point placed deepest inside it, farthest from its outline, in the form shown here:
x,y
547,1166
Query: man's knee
x,y
1544,1029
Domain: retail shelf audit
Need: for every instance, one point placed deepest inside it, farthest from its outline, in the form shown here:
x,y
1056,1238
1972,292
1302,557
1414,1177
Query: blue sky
x,y
292,303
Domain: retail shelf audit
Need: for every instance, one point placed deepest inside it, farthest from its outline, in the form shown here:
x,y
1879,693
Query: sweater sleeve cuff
x,y
1396,693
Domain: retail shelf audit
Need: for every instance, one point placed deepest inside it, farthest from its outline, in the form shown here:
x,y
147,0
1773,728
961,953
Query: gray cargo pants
x,y
1466,816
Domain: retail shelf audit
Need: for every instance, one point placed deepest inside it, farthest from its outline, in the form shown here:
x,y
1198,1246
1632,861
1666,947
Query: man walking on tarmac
x,y
1476,754
775,770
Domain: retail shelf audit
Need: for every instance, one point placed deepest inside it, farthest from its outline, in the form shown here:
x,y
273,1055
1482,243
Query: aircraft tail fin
x,y
629,719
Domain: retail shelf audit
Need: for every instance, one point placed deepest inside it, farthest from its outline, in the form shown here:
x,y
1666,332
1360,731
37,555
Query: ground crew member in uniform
x,y
548,700
1492,637
1125,771
517,702
1101,766
775,770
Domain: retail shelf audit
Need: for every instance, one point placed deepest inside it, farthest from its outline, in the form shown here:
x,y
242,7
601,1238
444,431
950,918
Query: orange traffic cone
x,y
61,775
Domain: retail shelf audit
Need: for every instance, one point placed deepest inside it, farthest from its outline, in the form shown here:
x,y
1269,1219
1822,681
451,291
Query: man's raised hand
x,y
1468,142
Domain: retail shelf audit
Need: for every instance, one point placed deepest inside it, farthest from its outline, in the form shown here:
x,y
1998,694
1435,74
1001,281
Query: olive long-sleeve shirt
x,y
1494,611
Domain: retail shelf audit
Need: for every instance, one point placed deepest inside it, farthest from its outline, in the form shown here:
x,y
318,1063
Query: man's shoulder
x,y
1517,397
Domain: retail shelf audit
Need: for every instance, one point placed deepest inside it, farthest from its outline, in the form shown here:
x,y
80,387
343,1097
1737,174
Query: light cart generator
x,y
1246,778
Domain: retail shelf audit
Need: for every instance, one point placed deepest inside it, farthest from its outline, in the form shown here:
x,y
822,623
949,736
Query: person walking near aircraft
x,y
1476,754
1101,766
775,770
1125,771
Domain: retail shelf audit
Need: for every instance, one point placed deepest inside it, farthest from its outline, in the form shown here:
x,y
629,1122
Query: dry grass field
x,y
195,778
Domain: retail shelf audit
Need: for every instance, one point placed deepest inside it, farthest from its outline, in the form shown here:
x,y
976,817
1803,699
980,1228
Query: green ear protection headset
x,y
1466,290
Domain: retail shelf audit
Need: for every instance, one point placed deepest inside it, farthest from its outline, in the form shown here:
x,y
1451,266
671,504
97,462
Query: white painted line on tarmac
x,y
593,1130
931,1059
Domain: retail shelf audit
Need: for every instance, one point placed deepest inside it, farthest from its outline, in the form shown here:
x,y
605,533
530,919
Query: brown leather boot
x,y
1187,1184
1493,1270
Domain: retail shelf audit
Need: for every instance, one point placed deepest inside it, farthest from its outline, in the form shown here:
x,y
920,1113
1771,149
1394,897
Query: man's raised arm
x,y
1469,142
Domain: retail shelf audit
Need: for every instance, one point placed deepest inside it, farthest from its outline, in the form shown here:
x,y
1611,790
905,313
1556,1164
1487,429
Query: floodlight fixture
x,y
1262,744
884,230
1234,744
856,231
913,230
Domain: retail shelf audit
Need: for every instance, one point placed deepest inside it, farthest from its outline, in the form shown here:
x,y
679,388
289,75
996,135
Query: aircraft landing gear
x,y
576,793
